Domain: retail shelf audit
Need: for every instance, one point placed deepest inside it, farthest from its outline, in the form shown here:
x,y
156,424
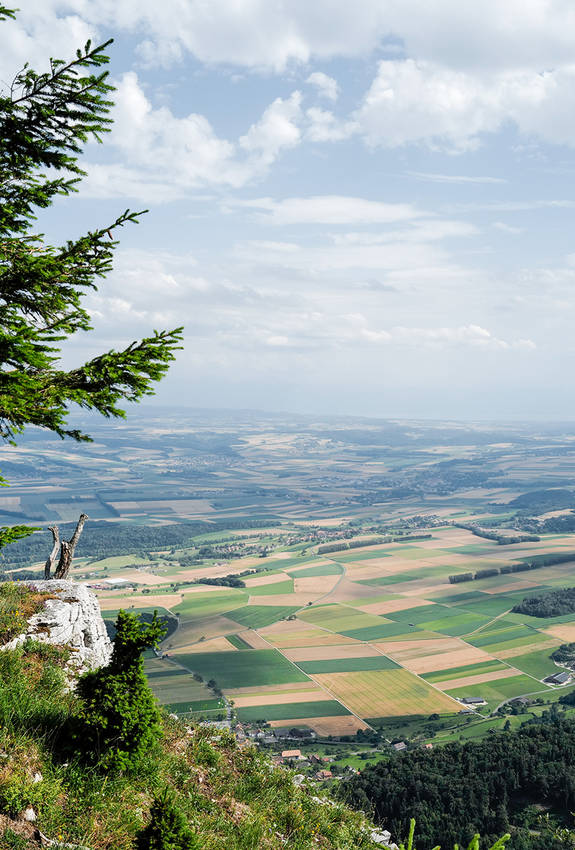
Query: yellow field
x,y
347,724
327,653
478,679
282,699
217,644
564,631
315,584
380,693
388,606
258,581
524,650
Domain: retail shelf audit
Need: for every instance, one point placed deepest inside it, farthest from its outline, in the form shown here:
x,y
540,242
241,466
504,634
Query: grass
x,y
385,630
292,710
456,625
238,642
465,670
17,604
231,797
338,618
243,669
508,633
419,615
197,605
348,665
272,589
536,664
258,616
332,569
499,690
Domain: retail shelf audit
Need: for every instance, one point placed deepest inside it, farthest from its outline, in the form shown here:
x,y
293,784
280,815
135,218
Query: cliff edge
x,y
72,619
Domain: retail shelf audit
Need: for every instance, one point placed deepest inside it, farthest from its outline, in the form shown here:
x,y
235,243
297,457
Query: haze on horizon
x,y
353,209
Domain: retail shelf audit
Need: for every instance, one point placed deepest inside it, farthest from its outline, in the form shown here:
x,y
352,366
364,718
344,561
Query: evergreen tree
x,y
118,720
45,120
167,829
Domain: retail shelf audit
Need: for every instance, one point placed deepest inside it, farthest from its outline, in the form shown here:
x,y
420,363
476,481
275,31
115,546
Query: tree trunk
x,y
49,566
67,548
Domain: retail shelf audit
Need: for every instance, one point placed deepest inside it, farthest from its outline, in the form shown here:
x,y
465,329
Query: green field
x,y
258,616
466,670
196,706
499,690
293,710
319,570
457,624
338,618
243,669
348,665
536,664
238,642
500,636
197,605
272,589
419,615
385,630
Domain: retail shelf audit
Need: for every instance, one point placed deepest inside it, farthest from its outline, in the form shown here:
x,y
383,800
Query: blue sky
x,y
354,208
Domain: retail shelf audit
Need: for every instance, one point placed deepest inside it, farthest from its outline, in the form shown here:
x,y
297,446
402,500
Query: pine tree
x,y
45,120
167,829
118,718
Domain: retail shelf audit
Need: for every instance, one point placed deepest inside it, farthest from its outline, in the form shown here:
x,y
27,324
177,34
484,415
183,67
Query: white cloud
x,y
325,127
163,156
328,209
454,178
326,86
416,101
507,228
473,335
260,33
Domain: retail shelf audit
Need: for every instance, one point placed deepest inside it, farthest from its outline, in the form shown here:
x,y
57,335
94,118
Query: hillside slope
x,y
230,796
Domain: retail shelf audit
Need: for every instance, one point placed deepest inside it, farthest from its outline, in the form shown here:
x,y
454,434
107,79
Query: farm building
x,y
559,678
473,701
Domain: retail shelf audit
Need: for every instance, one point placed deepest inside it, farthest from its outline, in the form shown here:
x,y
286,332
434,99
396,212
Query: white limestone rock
x,y
72,619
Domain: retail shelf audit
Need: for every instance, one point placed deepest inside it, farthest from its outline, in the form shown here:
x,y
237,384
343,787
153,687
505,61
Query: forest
x,y
554,603
492,786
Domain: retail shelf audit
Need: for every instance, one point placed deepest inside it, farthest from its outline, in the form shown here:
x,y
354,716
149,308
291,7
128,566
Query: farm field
x,y
360,593
417,649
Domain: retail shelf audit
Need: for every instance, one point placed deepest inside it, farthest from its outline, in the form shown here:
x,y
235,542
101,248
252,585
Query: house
x,y
473,701
322,775
401,745
559,678
291,754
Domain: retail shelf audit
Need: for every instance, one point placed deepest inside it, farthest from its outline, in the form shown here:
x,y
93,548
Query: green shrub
x,y
167,829
118,717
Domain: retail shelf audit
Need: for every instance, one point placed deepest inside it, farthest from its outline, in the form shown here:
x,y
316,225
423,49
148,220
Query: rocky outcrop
x,y
71,619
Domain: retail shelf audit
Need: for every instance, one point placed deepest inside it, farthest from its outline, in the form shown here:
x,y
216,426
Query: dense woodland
x,y
104,539
491,786
555,603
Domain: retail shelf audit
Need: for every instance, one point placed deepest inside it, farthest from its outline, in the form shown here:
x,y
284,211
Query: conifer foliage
x,y
118,719
45,120
167,829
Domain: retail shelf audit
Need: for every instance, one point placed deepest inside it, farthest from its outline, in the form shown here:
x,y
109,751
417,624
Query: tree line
x,y
486,786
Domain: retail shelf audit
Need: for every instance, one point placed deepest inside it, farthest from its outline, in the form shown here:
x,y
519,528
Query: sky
x,y
354,208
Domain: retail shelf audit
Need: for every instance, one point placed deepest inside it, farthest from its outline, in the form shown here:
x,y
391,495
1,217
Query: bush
x,y
118,718
167,829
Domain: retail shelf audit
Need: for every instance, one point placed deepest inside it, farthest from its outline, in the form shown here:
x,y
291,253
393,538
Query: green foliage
x,y
118,714
554,603
17,604
473,844
167,829
486,786
45,121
